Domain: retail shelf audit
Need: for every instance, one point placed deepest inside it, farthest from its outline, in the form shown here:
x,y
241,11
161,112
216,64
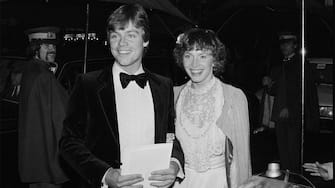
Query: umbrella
x,y
253,26
273,16
165,18
162,5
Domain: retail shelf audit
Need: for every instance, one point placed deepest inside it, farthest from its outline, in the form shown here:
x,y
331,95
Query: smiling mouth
x,y
124,51
196,71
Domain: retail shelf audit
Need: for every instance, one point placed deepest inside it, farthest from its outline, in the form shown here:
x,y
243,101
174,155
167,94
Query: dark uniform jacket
x,y
90,140
41,113
287,77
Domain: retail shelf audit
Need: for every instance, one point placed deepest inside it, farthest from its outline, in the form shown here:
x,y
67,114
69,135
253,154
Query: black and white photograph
x,y
166,94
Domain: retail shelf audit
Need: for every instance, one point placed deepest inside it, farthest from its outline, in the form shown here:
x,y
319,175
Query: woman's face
x,y
198,64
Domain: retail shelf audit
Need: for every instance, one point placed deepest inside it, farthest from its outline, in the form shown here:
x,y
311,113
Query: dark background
x,y
249,28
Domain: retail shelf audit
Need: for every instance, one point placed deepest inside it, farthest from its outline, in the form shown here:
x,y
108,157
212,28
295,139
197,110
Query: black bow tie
x,y
140,79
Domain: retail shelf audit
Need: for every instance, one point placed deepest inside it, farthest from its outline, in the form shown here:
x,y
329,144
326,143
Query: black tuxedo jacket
x,y
90,137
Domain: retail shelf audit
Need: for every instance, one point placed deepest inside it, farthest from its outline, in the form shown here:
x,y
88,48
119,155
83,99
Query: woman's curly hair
x,y
201,39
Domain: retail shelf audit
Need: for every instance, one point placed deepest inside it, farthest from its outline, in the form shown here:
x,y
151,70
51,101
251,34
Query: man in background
x,y
41,113
285,83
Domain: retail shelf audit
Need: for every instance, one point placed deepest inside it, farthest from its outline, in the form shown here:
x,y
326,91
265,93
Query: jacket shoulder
x,y
161,78
90,76
233,91
160,81
90,80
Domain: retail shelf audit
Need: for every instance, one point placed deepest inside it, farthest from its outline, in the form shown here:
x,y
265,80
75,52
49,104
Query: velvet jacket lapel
x,y
157,97
106,96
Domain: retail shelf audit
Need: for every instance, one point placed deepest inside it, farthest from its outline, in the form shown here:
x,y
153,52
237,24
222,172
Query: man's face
x,y
287,48
47,53
127,47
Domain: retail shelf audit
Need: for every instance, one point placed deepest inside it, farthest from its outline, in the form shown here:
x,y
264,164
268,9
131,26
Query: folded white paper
x,y
145,159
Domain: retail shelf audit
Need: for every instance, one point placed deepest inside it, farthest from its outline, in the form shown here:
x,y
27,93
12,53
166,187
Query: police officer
x,y
42,45
42,110
285,83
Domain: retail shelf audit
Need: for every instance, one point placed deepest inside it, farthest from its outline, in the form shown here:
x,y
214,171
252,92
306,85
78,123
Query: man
x,y
42,111
108,112
285,84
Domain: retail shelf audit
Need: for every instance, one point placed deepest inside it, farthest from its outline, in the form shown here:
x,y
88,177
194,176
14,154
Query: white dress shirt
x,y
135,112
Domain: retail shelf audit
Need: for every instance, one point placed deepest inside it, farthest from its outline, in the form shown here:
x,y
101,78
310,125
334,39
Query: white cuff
x,y
329,167
103,181
180,173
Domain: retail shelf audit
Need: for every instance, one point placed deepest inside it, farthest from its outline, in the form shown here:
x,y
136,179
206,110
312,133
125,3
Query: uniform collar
x,y
288,58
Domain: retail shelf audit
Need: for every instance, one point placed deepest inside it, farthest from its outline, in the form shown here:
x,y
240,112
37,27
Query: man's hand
x,y
267,81
284,113
166,177
317,169
115,180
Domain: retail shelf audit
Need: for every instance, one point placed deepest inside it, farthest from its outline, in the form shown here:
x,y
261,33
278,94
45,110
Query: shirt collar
x,y
288,58
117,69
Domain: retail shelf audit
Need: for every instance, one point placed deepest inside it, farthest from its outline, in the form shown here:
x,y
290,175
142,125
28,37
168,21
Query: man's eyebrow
x,y
129,31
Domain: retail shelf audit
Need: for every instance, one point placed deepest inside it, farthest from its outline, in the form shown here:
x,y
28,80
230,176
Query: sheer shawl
x,y
234,122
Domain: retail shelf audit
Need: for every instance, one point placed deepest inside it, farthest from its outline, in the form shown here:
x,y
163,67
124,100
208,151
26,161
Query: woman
x,y
212,120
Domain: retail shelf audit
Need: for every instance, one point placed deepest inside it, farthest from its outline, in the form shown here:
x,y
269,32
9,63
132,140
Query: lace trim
x,y
197,113
203,89
199,107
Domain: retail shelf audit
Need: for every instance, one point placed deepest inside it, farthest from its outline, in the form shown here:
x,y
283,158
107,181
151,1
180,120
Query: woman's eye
x,y
186,56
132,36
113,36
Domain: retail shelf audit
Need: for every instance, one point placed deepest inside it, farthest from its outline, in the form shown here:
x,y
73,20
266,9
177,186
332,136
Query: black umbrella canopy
x,y
262,25
257,24
16,17
34,14
315,6
73,13
171,22
162,5
71,16
165,18
250,31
